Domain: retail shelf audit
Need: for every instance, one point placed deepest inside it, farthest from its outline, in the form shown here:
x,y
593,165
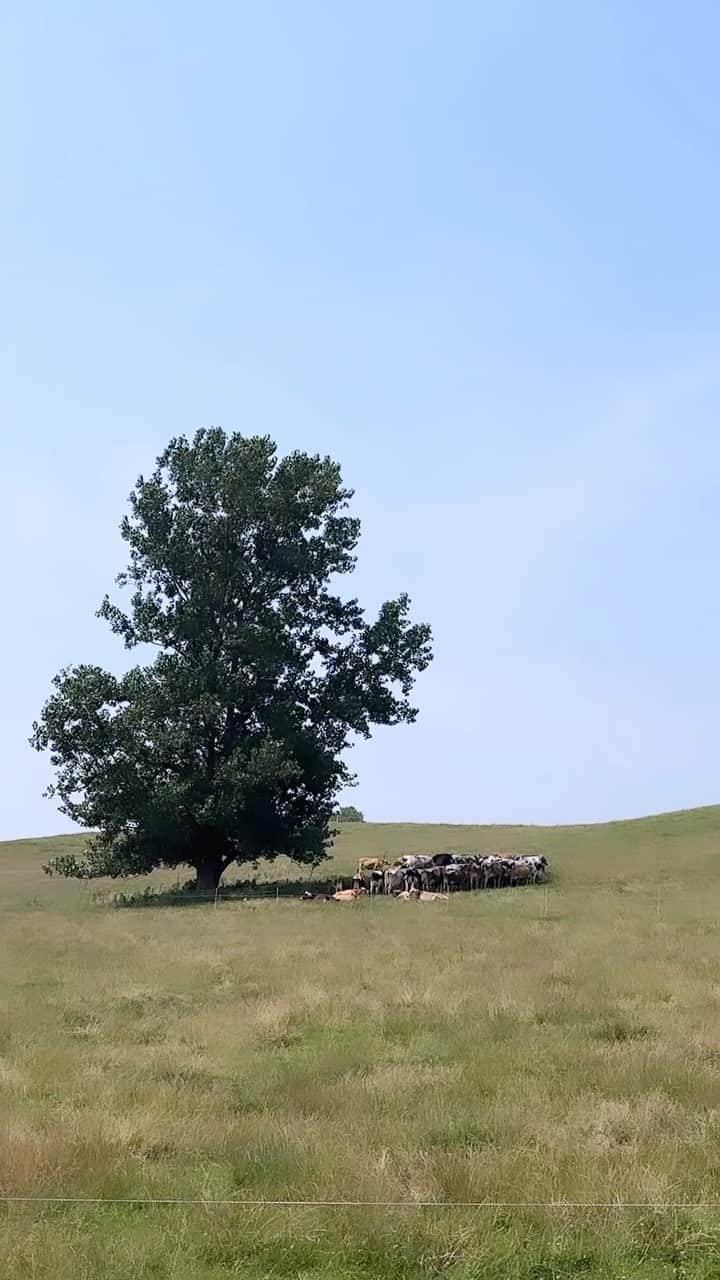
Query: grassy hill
x,y
676,847
504,1047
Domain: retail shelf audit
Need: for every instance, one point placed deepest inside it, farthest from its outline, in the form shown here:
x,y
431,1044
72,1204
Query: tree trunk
x,y
208,874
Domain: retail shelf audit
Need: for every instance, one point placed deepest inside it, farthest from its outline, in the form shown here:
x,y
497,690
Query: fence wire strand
x,y
656,1205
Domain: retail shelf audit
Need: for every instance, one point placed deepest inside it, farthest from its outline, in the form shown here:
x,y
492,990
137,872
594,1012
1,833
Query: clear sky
x,y
470,250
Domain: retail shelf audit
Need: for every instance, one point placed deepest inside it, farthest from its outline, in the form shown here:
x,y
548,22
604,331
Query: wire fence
x,y
202,1202
292,891
286,891
271,891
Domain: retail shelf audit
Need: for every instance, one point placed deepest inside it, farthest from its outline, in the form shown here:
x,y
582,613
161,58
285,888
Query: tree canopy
x,y
348,813
230,745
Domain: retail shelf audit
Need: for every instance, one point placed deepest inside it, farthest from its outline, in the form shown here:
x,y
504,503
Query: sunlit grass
x,y
506,1047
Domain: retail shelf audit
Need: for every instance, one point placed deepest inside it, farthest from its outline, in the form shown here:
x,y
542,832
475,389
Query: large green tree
x,y
230,745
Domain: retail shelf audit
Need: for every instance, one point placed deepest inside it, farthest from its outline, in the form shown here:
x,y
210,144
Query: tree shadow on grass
x,y
187,895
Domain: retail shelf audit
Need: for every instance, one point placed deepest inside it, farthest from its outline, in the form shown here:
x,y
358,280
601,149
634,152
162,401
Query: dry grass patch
x,y
499,1049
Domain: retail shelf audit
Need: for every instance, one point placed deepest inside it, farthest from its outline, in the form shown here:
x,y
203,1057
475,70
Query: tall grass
x,y
501,1048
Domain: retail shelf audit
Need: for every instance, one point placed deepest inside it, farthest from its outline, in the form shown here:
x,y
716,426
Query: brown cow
x,y
371,864
521,873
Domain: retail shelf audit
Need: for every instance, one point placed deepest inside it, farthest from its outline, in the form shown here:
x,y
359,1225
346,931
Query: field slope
x,y
526,1051
680,845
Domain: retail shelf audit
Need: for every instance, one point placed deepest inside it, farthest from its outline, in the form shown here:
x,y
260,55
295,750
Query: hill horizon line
x,y
664,816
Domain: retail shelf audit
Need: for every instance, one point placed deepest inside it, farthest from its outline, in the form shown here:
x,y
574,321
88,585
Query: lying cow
x,y
420,895
347,895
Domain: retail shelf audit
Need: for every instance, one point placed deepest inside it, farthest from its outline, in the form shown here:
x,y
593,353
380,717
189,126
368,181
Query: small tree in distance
x,y
348,813
228,747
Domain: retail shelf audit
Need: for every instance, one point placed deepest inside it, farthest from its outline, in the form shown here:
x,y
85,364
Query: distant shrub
x,y
348,813
66,864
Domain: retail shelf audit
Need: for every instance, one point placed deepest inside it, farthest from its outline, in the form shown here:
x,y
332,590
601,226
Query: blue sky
x,y
470,250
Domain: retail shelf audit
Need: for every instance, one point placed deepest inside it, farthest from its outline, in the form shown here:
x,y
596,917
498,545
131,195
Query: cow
x,y
393,879
401,877
370,878
413,878
521,872
494,871
377,881
415,861
371,864
433,878
538,865
348,895
442,859
420,895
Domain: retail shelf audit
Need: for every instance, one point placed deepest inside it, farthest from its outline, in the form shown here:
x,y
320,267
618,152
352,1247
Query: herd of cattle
x,y
430,877
446,872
